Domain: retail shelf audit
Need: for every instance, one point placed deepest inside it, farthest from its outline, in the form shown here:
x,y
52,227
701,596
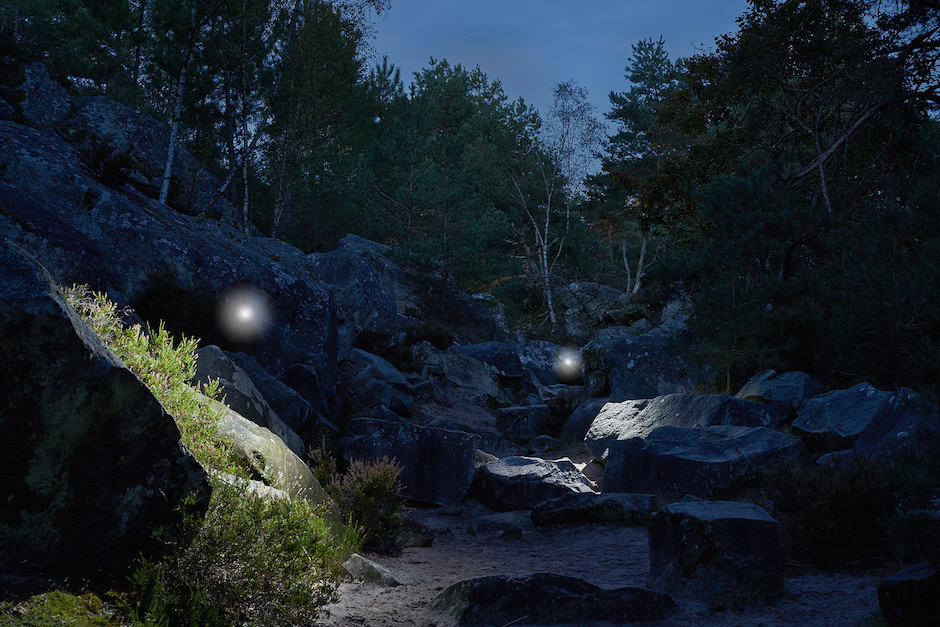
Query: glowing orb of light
x,y
244,314
568,363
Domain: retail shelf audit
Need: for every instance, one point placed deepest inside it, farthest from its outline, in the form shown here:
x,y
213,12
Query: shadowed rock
x,y
582,508
704,548
696,461
92,464
437,464
545,599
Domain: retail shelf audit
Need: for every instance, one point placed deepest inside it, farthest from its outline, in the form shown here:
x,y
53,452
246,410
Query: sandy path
x,y
606,555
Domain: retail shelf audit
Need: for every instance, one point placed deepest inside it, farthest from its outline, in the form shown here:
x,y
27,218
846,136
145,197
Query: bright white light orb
x,y
568,363
244,314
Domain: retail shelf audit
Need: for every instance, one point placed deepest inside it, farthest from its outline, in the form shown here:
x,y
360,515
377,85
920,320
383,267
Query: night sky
x,y
530,45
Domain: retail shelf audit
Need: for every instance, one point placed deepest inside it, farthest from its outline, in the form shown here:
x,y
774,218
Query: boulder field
x,y
346,360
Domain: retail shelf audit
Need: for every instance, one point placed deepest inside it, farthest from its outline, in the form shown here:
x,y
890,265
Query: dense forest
x,y
785,182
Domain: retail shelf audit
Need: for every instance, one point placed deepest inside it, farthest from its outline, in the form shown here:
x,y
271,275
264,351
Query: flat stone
x,y
583,508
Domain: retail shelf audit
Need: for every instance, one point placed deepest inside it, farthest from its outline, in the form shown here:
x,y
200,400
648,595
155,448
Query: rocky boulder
x,y
144,254
92,464
291,407
512,524
241,394
437,464
644,366
362,281
379,383
545,599
782,393
540,358
501,357
458,368
695,461
576,426
521,424
865,418
637,419
524,482
272,461
709,548
583,508
370,572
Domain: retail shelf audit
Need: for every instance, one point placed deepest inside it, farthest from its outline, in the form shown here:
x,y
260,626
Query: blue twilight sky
x,y
530,45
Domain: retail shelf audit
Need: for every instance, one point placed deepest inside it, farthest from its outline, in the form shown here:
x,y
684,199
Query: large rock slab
x,y
296,412
92,464
865,418
782,393
241,394
637,419
545,599
437,464
362,281
458,368
695,461
524,482
541,359
708,548
583,508
273,461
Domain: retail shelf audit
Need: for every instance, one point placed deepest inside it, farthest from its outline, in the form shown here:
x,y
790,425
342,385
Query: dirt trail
x,y
606,555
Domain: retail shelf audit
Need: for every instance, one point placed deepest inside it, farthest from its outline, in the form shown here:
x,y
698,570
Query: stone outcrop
x,y
577,424
696,461
271,460
524,482
91,462
911,596
708,548
865,418
241,394
514,524
521,424
545,599
370,572
94,220
501,357
782,393
645,366
637,419
580,508
437,464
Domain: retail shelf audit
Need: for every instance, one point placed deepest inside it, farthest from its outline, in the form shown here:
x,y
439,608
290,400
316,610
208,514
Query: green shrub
x,y
833,517
253,560
368,495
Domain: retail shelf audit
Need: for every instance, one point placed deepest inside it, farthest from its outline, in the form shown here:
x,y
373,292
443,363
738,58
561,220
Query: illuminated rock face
x,y
524,482
91,462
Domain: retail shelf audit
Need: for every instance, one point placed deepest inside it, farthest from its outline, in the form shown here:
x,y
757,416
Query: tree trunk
x,y
178,105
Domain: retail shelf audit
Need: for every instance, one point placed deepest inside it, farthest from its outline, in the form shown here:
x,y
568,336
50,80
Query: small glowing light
x,y
568,361
243,314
